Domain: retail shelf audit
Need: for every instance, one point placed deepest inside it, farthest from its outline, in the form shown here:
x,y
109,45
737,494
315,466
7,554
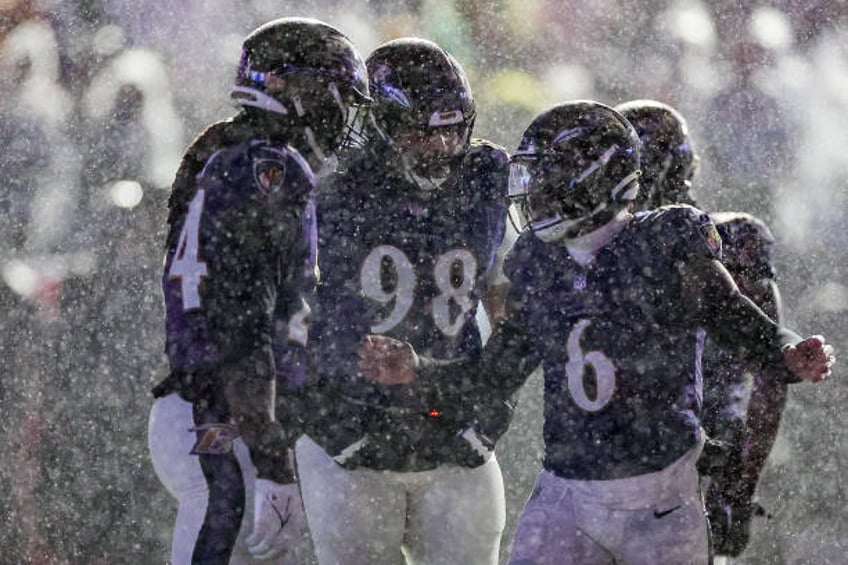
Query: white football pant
x,y
447,516
658,518
170,441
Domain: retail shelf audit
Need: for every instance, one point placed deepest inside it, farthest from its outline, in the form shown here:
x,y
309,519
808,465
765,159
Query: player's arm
x,y
740,326
505,364
490,163
497,283
730,499
474,392
748,256
251,392
507,359
292,319
474,395
264,275
769,392
765,406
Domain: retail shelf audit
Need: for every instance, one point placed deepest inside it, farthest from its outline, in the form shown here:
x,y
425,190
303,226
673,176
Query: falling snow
x,y
99,99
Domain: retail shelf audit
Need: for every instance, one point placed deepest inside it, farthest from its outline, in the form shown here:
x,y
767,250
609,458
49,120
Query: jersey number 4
x,y
579,362
185,264
451,288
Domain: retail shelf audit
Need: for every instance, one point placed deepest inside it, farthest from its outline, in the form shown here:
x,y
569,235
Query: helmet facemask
x,y
430,155
569,192
321,120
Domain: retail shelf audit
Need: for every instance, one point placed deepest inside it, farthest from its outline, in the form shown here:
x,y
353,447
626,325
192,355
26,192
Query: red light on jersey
x,y
434,413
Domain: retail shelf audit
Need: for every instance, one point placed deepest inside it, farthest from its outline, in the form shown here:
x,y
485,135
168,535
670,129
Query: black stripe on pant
x,y
225,508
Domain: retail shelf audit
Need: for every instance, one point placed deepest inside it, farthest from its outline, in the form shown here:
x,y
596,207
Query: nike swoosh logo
x,y
666,512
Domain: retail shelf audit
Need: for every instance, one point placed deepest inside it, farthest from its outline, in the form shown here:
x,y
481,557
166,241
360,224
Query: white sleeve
x,y
497,275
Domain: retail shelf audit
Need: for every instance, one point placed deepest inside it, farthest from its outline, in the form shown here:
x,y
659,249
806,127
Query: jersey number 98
x,y
402,292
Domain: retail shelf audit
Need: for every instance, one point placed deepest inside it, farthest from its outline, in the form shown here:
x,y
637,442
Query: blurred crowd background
x,y
98,99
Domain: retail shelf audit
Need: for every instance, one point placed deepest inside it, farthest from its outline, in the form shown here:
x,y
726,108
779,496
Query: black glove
x,y
489,420
471,449
713,458
730,521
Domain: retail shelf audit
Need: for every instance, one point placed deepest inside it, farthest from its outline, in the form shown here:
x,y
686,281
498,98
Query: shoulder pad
x,y
271,169
201,148
674,214
211,140
734,226
483,152
199,152
748,245
485,171
677,225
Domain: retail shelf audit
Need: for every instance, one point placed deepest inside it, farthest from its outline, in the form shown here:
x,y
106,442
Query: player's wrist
x,y
481,444
279,470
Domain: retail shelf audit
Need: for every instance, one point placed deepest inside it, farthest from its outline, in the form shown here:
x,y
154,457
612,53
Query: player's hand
x,y
730,524
810,360
279,523
472,448
386,361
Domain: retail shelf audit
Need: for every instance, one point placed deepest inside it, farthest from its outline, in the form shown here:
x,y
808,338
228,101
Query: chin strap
x,y
583,249
426,184
628,182
551,229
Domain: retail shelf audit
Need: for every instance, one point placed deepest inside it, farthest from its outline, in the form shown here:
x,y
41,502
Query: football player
x,y
240,259
742,403
409,228
612,305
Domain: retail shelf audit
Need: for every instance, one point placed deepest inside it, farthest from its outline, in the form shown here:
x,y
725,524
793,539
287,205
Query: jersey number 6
x,y
578,362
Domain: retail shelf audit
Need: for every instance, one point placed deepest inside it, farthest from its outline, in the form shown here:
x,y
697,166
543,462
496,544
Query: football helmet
x,y
576,167
668,159
311,76
423,107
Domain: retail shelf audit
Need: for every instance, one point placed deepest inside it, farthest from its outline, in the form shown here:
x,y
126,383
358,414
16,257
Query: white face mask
x,y
584,248
426,184
327,167
552,229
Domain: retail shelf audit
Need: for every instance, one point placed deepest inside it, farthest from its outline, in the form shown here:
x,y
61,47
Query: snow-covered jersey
x,y
620,352
240,258
402,263
747,253
747,250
